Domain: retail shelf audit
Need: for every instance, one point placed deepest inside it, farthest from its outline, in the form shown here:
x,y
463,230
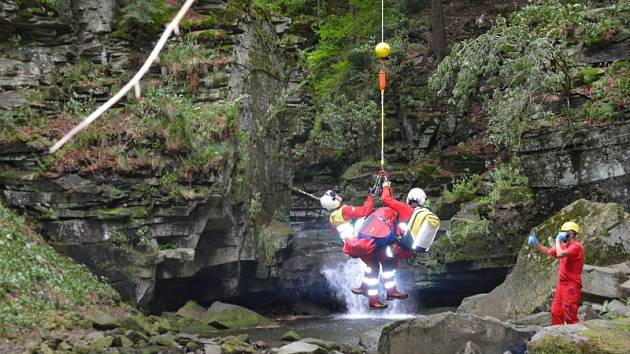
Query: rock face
x,y
605,236
593,164
152,247
596,336
450,333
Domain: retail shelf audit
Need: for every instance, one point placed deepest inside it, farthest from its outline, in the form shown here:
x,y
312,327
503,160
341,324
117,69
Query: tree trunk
x,y
438,31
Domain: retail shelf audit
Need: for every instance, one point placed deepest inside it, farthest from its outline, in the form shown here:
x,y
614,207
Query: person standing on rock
x,y
566,300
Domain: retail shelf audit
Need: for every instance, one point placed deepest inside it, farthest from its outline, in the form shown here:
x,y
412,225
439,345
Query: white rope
x,y
134,83
382,20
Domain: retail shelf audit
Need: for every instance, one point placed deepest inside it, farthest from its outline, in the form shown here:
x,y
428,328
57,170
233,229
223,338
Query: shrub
x,y
463,189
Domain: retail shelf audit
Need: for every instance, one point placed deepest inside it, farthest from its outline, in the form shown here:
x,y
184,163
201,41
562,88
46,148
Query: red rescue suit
x,y
347,213
404,212
378,230
566,300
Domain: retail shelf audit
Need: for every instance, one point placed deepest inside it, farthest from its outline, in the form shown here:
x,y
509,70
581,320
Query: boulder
x,y
536,319
301,348
529,287
223,316
595,336
102,320
191,310
603,281
450,332
369,340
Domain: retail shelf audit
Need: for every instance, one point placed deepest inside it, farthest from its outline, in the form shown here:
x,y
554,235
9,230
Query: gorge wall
x,y
155,237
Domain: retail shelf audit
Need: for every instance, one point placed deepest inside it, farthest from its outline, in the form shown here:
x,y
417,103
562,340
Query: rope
x,y
382,20
133,84
382,89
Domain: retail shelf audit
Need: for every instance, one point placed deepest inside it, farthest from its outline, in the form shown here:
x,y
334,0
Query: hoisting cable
x,y
382,51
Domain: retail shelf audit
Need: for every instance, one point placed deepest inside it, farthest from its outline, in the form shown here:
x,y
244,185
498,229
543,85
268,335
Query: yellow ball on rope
x,y
382,50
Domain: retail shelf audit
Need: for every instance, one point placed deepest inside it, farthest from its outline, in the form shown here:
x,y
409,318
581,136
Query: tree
x,y
438,31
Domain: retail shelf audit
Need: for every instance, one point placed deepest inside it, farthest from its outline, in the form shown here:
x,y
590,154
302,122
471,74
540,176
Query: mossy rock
x,y
161,325
189,325
191,310
604,235
136,323
291,336
163,340
235,345
225,316
103,342
590,337
103,320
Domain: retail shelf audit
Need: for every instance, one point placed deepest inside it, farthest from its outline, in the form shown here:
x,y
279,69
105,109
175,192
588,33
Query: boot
x,y
376,304
394,294
359,290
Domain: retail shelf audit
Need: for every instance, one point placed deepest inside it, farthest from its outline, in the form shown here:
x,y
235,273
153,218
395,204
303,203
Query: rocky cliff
x,y
160,219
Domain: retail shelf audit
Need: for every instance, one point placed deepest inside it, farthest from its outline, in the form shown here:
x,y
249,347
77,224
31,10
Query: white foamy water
x,y
347,275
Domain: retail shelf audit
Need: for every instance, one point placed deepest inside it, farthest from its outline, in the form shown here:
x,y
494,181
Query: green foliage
x,y
463,189
146,16
516,64
119,238
511,66
185,56
35,280
463,241
346,129
610,96
47,8
507,185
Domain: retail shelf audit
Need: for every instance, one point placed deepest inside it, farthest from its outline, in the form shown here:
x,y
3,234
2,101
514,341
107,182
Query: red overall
x,y
566,300
404,212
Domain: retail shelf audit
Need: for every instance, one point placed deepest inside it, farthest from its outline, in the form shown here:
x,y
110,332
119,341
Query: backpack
x,y
421,230
379,226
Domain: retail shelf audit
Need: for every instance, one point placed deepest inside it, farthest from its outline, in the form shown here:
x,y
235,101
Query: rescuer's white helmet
x,y
330,200
416,195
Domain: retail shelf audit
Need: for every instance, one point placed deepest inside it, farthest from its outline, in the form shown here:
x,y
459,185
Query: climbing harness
x,y
382,51
134,83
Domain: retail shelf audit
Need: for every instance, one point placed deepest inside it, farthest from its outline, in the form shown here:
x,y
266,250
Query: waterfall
x,y
347,275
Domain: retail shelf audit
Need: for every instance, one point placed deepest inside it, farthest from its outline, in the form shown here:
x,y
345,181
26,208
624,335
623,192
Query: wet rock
x,y
221,315
470,348
605,230
449,332
590,311
301,348
595,336
191,310
603,281
161,325
291,336
322,343
369,340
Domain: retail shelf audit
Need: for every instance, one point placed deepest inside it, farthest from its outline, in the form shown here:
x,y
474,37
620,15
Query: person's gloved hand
x,y
532,240
386,183
562,236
